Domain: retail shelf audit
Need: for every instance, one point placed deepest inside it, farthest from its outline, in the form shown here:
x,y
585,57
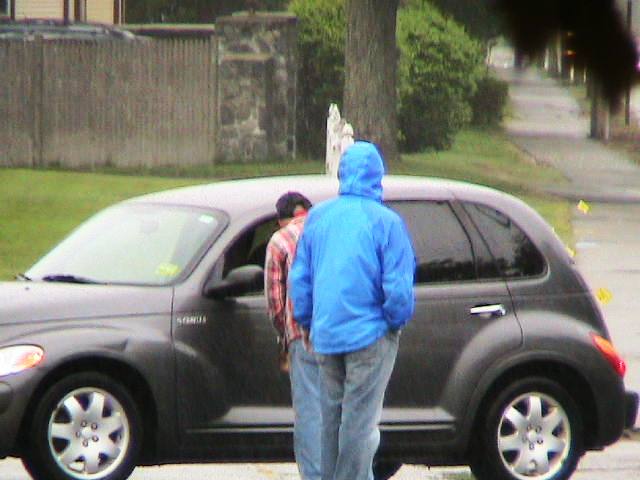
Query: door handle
x,y
487,311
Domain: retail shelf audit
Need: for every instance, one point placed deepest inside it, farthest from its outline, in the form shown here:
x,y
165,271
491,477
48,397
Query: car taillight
x,y
609,352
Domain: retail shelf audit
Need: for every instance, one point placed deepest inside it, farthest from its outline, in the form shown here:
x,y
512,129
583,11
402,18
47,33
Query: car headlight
x,y
18,358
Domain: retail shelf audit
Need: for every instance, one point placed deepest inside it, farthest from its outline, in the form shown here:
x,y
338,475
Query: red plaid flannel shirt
x,y
281,251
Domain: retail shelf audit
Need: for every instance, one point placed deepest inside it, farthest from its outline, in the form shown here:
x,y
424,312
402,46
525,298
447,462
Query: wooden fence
x,y
122,104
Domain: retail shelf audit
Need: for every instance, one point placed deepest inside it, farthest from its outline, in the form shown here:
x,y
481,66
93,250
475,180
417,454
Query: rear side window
x,y
515,254
442,246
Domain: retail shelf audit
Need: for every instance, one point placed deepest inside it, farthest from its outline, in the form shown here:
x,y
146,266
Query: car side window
x,y
515,254
250,247
442,247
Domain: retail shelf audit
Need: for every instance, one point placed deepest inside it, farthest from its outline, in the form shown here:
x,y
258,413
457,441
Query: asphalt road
x,y
619,462
12,470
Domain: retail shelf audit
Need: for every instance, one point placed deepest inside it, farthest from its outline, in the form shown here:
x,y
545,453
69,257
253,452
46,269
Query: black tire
x,y
531,431
86,426
383,470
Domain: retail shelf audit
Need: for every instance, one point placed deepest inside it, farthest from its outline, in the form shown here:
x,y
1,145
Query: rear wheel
x,y
86,427
532,431
383,470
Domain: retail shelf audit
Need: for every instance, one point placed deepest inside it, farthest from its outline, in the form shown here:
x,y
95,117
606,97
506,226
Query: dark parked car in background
x,y
53,29
143,338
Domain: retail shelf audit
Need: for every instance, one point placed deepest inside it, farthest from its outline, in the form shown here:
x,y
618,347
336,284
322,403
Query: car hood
x,y
22,302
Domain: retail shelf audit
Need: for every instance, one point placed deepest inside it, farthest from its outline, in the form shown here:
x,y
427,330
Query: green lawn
x,y
39,207
484,157
488,158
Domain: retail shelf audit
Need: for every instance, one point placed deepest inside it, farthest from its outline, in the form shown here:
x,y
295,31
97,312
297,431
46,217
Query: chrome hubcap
x,y
88,433
534,436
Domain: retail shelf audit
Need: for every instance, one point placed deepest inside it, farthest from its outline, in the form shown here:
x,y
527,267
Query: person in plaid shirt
x,y
303,369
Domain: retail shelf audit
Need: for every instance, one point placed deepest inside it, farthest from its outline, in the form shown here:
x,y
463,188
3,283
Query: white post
x,y
339,137
333,141
346,137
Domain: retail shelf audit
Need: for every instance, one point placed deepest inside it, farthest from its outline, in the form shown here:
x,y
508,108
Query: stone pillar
x,y
245,131
257,86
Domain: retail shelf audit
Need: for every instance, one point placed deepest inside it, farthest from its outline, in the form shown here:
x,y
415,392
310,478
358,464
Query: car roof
x,y
237,197
245,200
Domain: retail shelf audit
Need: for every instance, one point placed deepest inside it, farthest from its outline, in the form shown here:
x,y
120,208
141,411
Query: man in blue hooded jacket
x,y
352,290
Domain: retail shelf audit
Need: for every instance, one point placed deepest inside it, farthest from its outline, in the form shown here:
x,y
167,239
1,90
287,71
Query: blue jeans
x,y
353,386
305,393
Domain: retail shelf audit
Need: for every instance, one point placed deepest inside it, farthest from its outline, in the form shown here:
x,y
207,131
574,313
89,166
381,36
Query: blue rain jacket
x,y
352,278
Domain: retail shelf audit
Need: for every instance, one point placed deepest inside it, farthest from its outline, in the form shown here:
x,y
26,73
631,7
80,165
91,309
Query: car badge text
x,y
192,319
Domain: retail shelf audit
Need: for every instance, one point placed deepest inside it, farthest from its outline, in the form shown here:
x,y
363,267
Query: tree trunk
x,y
371,56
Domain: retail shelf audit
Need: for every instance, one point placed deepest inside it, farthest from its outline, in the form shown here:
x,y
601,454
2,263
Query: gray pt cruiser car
x,y
143,339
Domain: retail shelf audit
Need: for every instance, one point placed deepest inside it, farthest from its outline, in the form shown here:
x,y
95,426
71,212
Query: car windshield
x,y
131,244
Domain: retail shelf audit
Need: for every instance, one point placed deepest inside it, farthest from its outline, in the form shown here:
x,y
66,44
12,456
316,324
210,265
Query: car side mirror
x,y
241,280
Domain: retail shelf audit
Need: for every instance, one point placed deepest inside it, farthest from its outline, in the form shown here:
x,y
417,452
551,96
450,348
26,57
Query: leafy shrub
x,y
321,40
489,101
438,70
437,73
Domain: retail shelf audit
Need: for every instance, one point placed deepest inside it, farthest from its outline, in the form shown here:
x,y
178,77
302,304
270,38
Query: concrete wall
x,y
190,100
122,104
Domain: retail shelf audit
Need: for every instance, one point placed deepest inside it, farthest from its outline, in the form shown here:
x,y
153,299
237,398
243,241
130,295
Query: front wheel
x,y
86,427
532,431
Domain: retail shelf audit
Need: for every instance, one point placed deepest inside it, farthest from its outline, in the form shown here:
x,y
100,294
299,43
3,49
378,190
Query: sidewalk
x,y
548,125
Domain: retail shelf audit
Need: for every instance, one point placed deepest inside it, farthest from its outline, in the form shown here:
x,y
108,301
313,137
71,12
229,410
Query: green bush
x,y
437,73
438,70
489,101
321,39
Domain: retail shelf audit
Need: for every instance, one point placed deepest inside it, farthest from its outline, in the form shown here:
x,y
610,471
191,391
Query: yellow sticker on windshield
x,y
167,270
584,207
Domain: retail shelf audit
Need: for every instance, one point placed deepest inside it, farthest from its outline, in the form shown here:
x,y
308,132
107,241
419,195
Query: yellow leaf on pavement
x,y
604,296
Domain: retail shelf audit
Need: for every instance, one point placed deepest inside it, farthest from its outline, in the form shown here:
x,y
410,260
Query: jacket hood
x,y
361,170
